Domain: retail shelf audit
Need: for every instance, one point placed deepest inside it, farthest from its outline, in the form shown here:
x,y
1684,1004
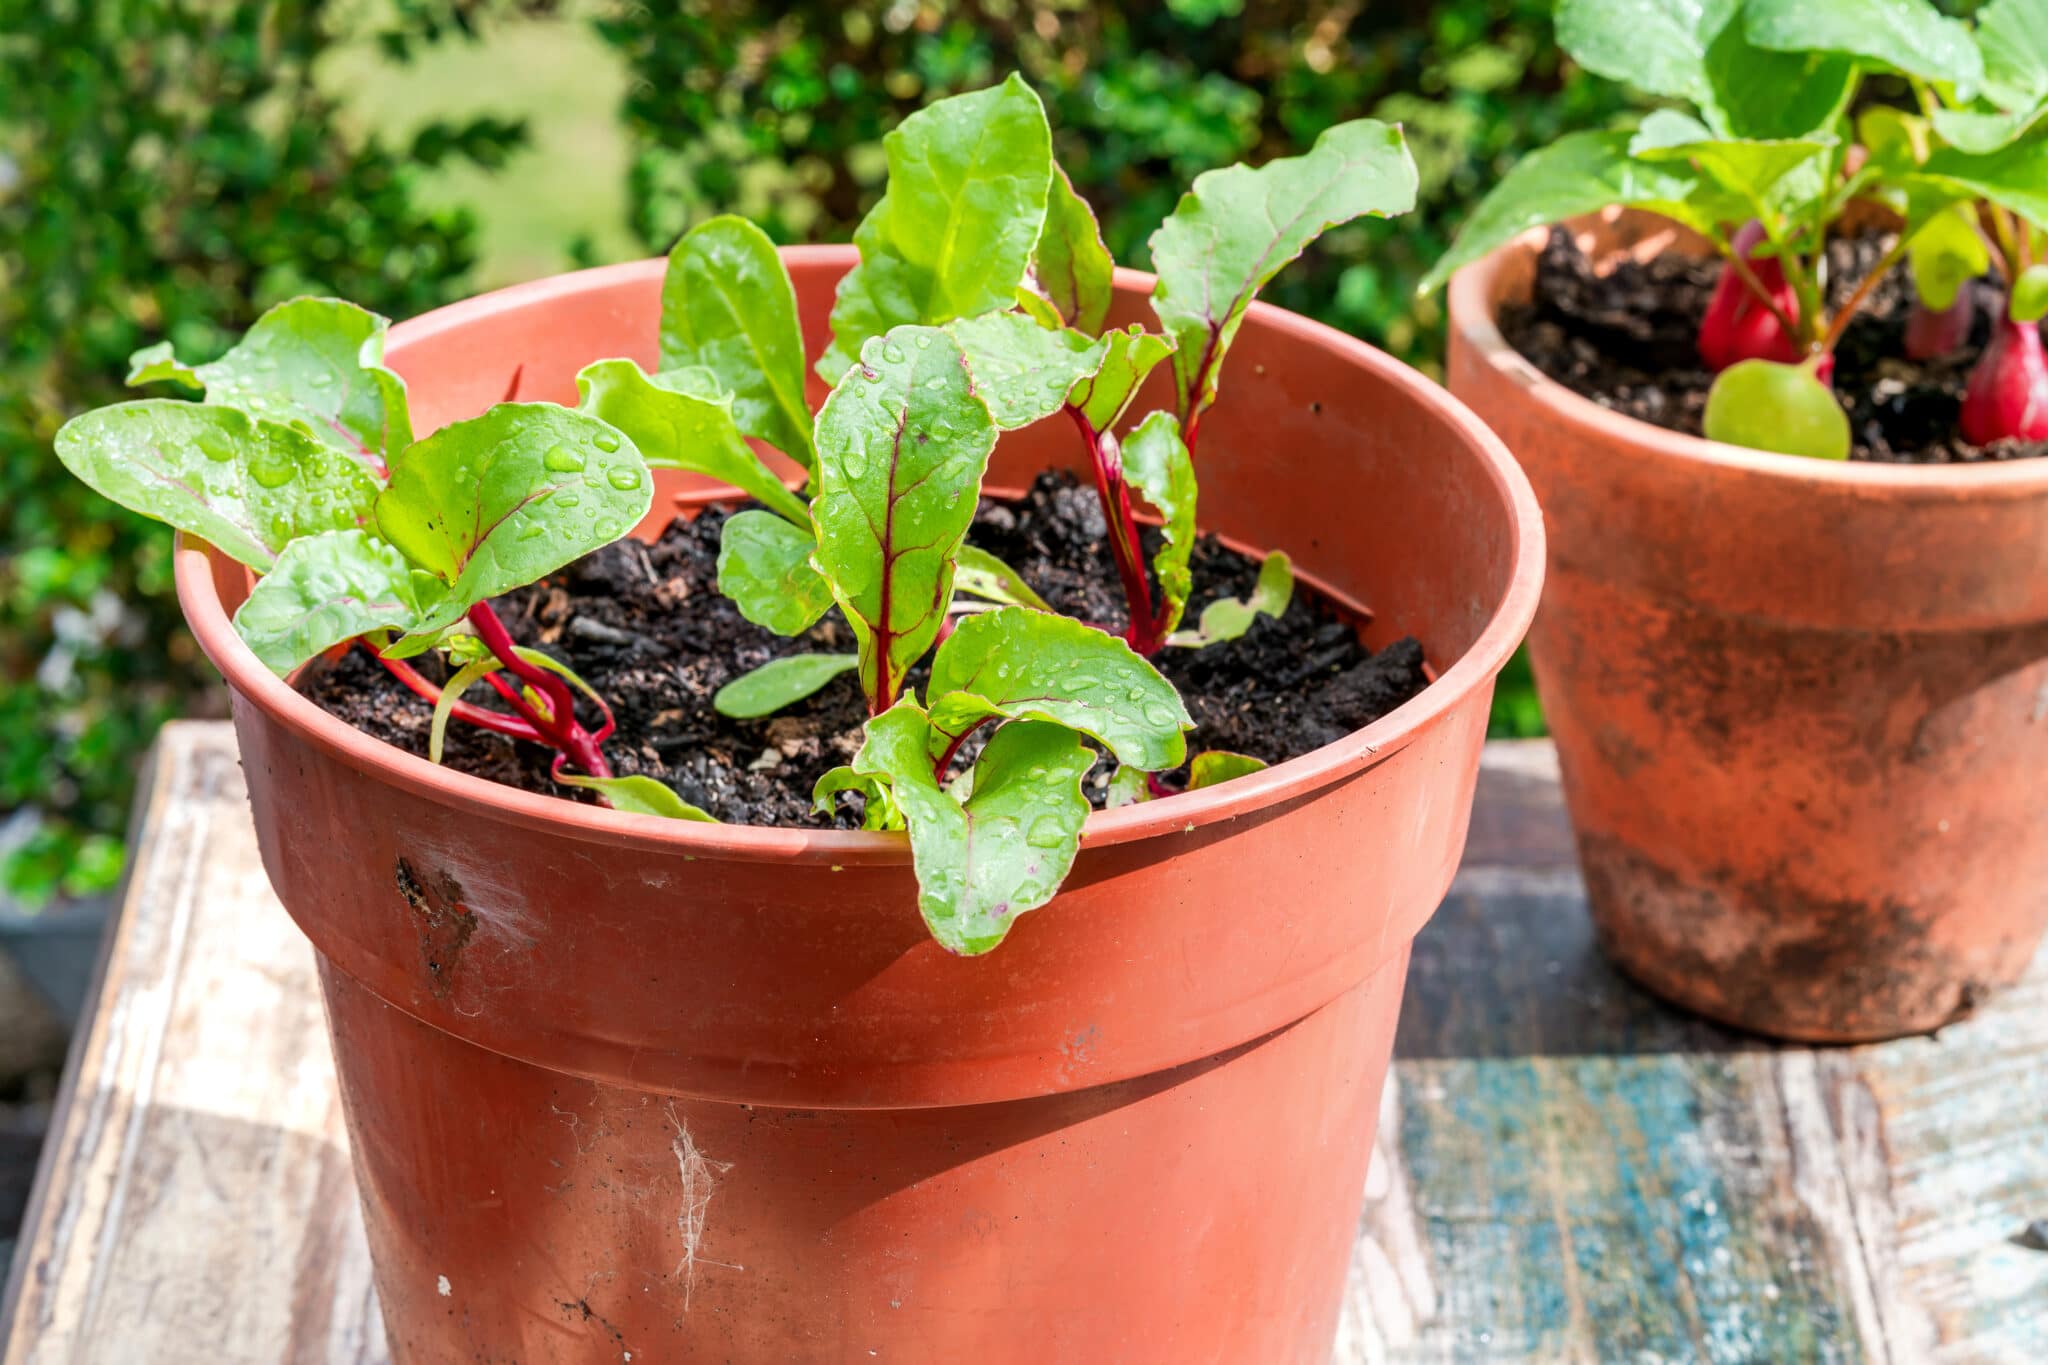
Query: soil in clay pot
x,y
1628,340
648,628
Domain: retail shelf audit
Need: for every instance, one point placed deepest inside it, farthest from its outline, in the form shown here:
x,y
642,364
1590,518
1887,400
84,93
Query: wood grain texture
x,y
195,1202
1592,1176
1566,1170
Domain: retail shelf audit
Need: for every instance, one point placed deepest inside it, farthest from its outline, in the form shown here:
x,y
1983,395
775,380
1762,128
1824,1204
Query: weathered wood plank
x,y
1566,1170
195,1203
1592,1176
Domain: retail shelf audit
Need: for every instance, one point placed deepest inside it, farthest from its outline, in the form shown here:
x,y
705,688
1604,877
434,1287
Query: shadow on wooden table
x,y
1571,1170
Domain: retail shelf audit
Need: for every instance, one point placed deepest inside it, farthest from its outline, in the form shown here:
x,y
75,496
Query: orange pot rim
x,y
199,597
1472,313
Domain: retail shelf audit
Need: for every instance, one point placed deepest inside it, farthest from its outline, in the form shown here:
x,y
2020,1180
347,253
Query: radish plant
x,y
1764,161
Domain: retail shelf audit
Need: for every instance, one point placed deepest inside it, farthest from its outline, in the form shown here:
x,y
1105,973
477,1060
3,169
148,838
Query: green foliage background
x,y
170,169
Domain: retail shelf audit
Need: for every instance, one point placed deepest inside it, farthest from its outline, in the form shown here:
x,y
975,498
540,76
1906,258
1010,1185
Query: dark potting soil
x,y
647,627
1628,341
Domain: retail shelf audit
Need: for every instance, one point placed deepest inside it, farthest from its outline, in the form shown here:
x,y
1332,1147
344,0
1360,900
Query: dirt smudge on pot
x,y
445,925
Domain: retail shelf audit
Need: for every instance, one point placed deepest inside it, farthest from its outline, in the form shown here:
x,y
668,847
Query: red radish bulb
x,y
2008,393
1738,326
1932,333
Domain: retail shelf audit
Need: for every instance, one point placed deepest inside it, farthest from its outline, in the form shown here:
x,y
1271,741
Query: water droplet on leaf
x,y
607,442
1047,831
271,473
562,460
624,479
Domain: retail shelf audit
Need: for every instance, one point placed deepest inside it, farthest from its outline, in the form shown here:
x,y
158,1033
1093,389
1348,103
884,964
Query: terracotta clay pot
x,y
703,1093
1801,707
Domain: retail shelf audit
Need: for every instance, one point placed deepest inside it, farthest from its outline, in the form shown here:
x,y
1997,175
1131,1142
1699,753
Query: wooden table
x,y
1567,1170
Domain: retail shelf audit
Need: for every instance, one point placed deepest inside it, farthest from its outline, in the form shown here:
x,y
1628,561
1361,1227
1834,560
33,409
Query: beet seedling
x,y
300,462
980,305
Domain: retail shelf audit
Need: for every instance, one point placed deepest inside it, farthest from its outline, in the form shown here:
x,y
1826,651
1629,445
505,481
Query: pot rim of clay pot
x,y
1477,291
199,594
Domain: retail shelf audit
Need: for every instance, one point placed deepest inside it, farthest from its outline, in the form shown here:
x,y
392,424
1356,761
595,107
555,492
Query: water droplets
x,y
215,446
924,341
568,499
271,471
608,441
1047,831
563,460
320,379
624,477
1162,715
893,353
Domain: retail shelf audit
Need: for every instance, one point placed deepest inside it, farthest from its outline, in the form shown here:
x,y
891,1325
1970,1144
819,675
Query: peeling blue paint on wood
x,y
1591,1175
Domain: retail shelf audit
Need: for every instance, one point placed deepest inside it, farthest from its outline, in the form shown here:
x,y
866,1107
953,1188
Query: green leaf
x,y
1658,46
2012,38
902,445
1909,36
1578,173
1896,140
1072,276
1018,664
1767,174
1695,50
1237,227
638,795
2030,295
1229,617
313,364
727,306
764,566
248,487
779,683
1219,765
1760,94
1021,370
159,365
1004,851
1127,787
953,235
981,574
1947,252
1156,463
2014,177
1132,354
502,500
1763,405
464,678
678,430
879,810
325,589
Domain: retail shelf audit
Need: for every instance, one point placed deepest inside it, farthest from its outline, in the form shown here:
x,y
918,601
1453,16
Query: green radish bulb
x,y
1764,405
